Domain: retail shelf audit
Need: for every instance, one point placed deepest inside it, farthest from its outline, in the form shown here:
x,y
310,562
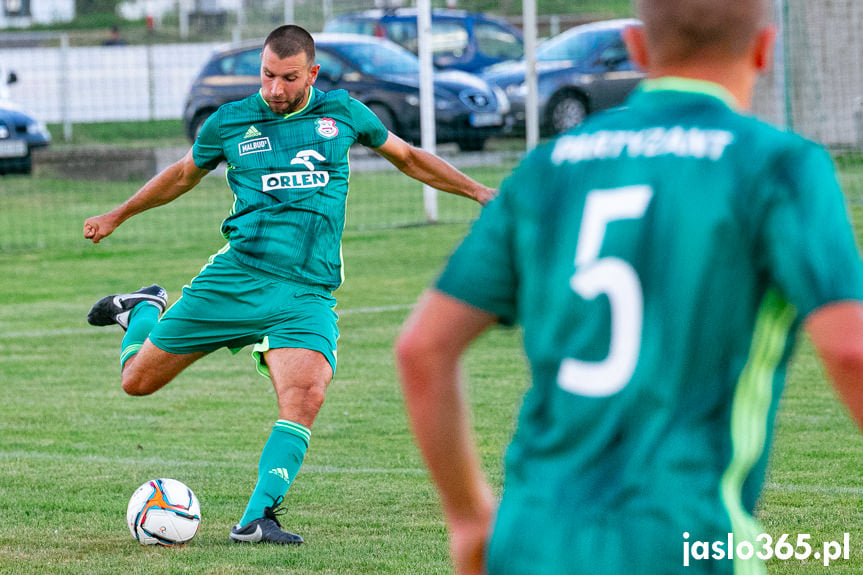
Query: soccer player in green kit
x,y
660,258
286,150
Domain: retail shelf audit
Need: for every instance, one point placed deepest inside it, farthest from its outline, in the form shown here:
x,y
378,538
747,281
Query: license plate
x,y
483,119
13,149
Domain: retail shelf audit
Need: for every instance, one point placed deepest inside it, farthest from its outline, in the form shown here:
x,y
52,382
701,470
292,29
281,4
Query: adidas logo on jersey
x,y
252,132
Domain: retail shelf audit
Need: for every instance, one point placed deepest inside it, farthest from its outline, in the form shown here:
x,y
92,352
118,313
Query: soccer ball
x,y
163,512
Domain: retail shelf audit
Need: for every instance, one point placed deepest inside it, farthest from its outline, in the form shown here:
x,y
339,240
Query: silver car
x,y
582,70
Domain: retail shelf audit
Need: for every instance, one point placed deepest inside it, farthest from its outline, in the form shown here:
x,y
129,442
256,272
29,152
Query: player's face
x,y
285,81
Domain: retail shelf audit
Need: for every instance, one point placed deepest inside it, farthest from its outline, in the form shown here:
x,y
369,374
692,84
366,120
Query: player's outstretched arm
x,y
836,331
167,185
428,352
432,170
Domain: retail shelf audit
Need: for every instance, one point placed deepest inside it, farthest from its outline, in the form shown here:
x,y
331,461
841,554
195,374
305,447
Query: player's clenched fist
x,y
98,227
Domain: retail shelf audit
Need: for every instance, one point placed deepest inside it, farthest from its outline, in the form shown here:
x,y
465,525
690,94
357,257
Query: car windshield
x,y
575,46
496,42
377,59
448,38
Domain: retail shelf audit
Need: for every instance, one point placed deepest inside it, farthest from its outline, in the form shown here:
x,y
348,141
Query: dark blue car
x,y
460,40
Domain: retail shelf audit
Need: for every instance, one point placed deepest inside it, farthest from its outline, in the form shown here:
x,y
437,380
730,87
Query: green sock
x,y
142,319
280,461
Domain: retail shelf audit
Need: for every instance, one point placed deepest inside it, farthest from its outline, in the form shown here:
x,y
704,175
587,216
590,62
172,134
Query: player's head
x,y
685,32
288,68
290,40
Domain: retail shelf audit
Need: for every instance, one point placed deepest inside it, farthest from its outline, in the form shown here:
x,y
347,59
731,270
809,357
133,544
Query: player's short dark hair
x,y
290,40
678,30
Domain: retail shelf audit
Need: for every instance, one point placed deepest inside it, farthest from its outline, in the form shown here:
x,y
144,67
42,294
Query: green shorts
x,y
230,304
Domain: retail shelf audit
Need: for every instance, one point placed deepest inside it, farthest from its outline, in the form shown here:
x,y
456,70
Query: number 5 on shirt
x,y
616,279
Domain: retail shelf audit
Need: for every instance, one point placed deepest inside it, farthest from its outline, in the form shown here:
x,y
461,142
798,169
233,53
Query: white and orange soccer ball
x,y
163,512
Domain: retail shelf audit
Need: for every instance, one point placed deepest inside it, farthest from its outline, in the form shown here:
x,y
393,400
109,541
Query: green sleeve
x,y
482,271
207,150
370,130
810,249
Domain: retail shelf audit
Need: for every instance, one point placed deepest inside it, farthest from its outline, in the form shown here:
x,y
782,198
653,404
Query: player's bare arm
x,y
429,350
432,170
166,186
836,331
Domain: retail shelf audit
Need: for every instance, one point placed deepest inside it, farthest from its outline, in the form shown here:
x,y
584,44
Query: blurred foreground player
x,y
660,258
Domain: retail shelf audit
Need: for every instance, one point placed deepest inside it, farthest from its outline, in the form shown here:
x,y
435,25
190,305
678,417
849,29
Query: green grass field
x,y
73,447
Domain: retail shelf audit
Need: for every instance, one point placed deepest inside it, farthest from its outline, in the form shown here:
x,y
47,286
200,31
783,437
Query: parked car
x,y
377,72
582,70
461,40
20,133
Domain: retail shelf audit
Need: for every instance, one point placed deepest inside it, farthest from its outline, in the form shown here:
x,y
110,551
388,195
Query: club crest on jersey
x,y
254,146
327,127
300,180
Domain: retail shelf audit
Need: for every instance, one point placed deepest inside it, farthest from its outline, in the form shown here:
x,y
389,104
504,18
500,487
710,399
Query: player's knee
x,y
407,347
134,385
412,349
134,388
315,394
308,396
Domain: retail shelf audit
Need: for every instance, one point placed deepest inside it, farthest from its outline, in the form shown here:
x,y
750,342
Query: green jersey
x,y
289,174
660,259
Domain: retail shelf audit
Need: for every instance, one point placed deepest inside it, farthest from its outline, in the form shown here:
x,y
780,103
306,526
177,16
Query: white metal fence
x,y
816,89
104,83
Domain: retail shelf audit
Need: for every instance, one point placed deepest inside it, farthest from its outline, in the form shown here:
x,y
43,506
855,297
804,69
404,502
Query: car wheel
x,y
471,144
385,115
566,111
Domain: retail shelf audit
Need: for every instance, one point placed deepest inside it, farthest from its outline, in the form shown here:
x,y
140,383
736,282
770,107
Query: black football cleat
x,y
267,529
117,308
